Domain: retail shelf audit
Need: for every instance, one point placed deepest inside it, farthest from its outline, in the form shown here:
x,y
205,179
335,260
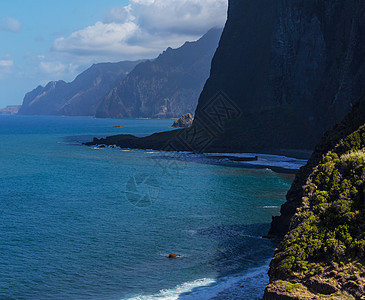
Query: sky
x,y
46,40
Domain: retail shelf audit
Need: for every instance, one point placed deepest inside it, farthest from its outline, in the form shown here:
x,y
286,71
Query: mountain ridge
x,y
166,87
79,97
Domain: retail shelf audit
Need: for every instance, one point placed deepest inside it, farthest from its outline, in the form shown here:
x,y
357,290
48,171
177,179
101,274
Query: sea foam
x,y
247,285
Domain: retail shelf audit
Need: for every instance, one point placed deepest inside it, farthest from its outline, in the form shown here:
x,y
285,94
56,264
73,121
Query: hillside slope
x,y
323,252
356,118
166,87
80,97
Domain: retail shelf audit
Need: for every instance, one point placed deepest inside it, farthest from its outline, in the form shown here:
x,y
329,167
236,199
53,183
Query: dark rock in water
x,y
184,121
244,158
283,74
235,158
166,87
173,255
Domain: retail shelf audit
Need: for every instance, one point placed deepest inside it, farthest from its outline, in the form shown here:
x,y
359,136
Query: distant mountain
x,y
10,110
80,97
166,87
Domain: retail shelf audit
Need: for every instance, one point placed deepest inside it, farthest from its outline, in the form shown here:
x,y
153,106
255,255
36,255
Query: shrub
x,y
331,220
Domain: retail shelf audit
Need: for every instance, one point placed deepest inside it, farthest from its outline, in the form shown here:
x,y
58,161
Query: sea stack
x,y
184,121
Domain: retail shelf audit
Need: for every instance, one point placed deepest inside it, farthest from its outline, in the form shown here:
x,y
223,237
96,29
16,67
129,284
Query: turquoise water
x,y
80,222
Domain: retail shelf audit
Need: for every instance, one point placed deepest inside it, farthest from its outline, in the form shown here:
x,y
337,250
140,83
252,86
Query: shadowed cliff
x,y
355,119
322,255
289,71
294,68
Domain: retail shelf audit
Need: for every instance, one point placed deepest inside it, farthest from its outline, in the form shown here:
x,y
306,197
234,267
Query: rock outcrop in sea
x,y
184,121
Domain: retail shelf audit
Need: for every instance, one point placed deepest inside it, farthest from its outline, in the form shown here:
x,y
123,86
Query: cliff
x,y
80,97
322,255
166,87
293,68
288,71
356,118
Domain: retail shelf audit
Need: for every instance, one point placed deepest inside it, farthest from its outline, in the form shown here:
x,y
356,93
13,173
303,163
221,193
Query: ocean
x,y
82,222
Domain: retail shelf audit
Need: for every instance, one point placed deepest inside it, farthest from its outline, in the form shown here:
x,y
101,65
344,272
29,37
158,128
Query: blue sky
x,y
44,40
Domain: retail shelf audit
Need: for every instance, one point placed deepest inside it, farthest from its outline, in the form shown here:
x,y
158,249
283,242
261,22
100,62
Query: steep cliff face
x,y
80,97
294,68
166,87
288,70
323,252
356,118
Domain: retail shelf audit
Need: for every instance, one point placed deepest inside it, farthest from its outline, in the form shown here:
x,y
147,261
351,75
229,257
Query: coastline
x,y
277,163
235,286
100,188
192,140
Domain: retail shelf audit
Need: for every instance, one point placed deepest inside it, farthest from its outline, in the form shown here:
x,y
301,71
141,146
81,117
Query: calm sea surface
x,y
80,222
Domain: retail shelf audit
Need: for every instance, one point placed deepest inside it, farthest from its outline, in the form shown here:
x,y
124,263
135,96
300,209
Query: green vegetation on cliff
x,y
326,242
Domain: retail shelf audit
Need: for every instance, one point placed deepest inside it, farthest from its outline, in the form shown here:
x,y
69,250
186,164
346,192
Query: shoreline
x,y
191,140
277,163
230,286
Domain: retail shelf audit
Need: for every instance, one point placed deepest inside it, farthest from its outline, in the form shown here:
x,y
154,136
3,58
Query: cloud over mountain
x,y
144,28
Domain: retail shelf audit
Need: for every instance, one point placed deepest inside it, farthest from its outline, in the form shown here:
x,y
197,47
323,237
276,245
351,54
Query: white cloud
x,y
6,67
143,29
52,67
6,63
179,16
120,14
98,39
10,24
56,68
